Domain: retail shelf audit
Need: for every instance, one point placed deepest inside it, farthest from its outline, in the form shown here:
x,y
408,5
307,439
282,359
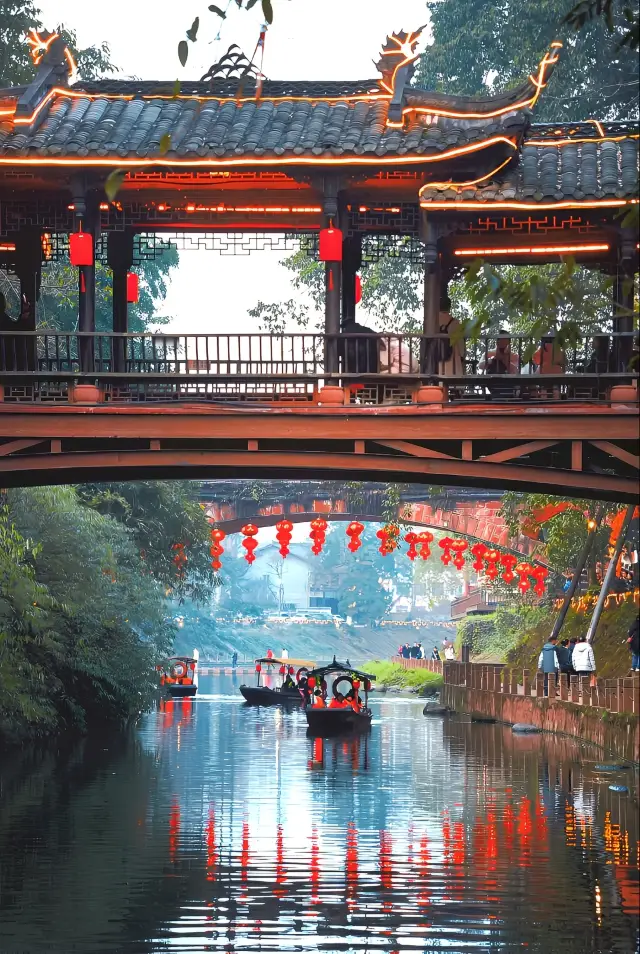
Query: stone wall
x,y
617,733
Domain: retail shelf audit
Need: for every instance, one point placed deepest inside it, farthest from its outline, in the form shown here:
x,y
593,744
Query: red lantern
x,y
540,573
492,557
291,670
317,534
459,546
424,539
358,289
258,667
383,537
445,544
133,288
389,538
354,530
311,681
479,551
524,570
508,561
330,245
411,539
249,531
81,248
216,550
284,529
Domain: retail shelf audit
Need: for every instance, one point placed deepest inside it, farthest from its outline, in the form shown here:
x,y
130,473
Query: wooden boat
x,y
327,721
289,669
179,675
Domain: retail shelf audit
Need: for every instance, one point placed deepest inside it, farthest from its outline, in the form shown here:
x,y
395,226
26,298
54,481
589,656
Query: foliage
x,y
496,634
565,533
81,622
358,577
393,675
481,47
587,10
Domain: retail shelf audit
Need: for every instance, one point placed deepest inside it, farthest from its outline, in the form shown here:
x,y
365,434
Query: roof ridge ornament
x,y
397,63
55,66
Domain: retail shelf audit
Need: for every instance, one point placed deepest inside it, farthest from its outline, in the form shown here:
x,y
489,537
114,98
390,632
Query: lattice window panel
x,y
402,219
532,225
149,246
49,216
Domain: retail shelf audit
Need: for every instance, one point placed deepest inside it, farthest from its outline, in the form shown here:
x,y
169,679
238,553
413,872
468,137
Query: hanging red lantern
x,y
424,539
311,681
540,573
358,289
479,551
179,559
318,534
284,530
249,531
291,670
216,550
258,667
282,670
330,245
383,536
445,544
411,539
354,530
524,570
459,546
133,288
508,561
81,248
492,557
390,541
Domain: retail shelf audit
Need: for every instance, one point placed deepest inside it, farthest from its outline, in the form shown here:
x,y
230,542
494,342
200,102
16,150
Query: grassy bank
x,y
393,676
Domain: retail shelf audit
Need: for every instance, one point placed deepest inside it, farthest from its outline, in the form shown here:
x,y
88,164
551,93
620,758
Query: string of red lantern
x,y
479,550
411,539
459,546
353,531
388,536
318,534
491,558
249,531
216,550
524,570
284,529
540,573
445,545
179,559
424,539
508,561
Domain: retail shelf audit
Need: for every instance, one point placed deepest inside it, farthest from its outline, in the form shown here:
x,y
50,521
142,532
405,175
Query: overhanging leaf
x,y
192,32
183,52
267,10
218,11
165,144
176,89
113,183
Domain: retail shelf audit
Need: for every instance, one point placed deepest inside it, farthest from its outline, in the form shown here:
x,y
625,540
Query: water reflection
x,y
221,828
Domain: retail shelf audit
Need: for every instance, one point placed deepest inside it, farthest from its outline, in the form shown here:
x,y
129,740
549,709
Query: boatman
x,y
318,701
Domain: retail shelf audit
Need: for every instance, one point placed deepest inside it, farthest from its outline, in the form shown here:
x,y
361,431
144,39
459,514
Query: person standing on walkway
x,y
234,659
634,644
548,660
584,662
565,660
435,654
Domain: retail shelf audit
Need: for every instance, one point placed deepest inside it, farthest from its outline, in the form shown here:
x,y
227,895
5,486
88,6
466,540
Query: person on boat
x,y
289,682
303,687
318,701
337,702
354,701
323,686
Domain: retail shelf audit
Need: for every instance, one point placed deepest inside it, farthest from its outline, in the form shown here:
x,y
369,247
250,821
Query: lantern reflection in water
x,y
352,865
314,867
244,863
281,877
174,830
212,850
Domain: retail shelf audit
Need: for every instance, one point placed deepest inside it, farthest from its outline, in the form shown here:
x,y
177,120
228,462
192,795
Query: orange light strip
x,y
294,209
119,162
531,101
464,185
566,142
598,126
7,247
528,206
531,250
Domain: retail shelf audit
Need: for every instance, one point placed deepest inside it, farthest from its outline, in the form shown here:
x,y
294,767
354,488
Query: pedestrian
x,y
584,662
449,652
548,660
234,659
564,658
435,654
421,651
284,654
501,361
634,644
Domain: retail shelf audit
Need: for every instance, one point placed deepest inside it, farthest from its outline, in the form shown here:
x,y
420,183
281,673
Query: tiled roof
x,y
585,161
128,120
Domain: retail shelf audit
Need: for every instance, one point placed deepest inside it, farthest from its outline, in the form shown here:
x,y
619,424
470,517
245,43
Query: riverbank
x,y
390,675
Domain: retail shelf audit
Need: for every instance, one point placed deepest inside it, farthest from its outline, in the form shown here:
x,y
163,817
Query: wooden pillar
x,y
28,268
623,299
120,260
432,294
87,215
526,682
332,280
351,264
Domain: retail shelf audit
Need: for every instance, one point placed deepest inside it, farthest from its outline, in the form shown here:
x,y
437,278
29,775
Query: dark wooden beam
x,y
618,452
514,452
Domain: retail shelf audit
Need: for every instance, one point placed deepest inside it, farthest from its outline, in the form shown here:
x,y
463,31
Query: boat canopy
x,y
344,667
296,663
185,659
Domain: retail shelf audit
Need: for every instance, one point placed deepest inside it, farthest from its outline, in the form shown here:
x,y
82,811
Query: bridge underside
x,y
592,453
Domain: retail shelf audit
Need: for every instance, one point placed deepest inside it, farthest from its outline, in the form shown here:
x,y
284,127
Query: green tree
x,y
480,46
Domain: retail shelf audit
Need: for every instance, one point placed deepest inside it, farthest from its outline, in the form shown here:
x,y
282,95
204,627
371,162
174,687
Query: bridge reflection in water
x,y
221,828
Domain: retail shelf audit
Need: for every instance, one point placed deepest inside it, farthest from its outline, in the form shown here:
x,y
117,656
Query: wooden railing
x,y
378,368
431,664
616,695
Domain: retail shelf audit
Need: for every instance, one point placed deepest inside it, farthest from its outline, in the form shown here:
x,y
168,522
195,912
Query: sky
x,y
326,39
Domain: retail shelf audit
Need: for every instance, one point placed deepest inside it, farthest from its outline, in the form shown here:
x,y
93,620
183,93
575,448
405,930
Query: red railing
x,y
616,695
431,664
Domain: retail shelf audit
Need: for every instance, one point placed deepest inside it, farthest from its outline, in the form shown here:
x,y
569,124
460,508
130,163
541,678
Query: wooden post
x,y
28,268
608,577
332,280
432,289
627,702
351,264
623,299
564,688
87,215
575,688
120,260
526,682
551,685
539,685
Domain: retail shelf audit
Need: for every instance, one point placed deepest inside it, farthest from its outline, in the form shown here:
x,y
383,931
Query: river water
x,y
217,827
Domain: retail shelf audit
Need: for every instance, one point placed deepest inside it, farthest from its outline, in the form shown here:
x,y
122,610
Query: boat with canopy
x,y
339,708
293,675
179,675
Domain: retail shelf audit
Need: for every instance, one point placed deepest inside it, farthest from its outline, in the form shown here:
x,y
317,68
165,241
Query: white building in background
x,y
288,580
